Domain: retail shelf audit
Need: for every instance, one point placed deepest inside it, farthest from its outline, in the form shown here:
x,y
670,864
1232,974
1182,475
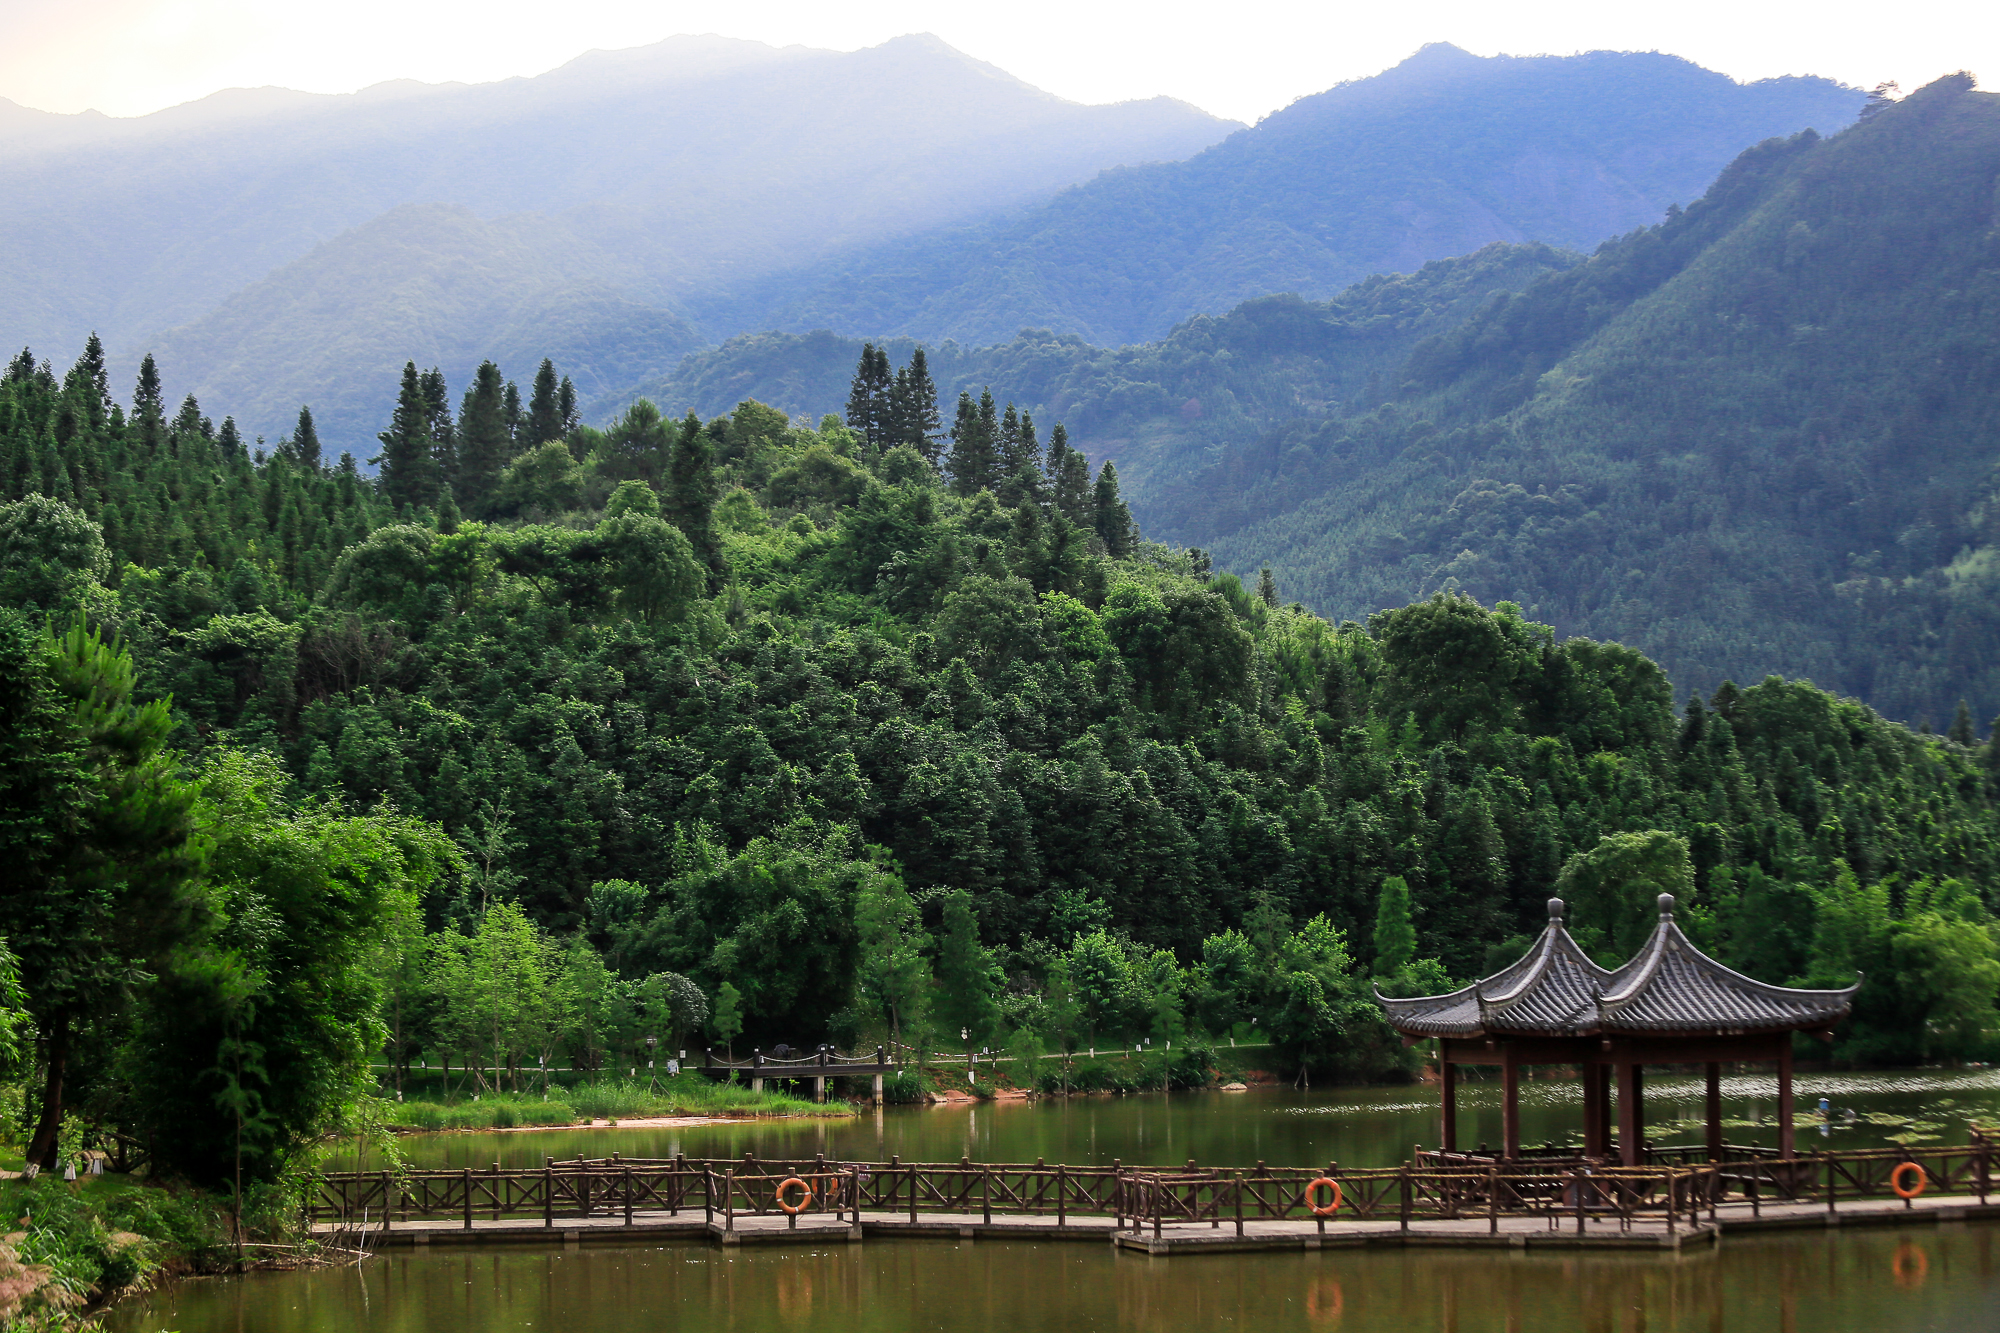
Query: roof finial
x,y
1666,907
1555,911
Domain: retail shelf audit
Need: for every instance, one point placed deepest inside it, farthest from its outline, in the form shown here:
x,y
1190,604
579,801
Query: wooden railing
x,y
1430,1188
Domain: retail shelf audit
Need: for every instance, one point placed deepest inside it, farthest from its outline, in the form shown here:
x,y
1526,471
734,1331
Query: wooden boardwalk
x,y
1646,1233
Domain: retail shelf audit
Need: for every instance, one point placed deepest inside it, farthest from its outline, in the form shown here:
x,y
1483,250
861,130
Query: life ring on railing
x,y
1331,1208
779,1195
1908,1191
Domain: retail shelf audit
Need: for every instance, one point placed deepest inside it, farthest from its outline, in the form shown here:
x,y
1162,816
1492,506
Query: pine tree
x,y
149,409
687,500
1267,587
545,416
485,438
1069,480
1020,480
304,447
1962,732
974,461
516,417
869,406
444,442
922,426
408,471
1112,519
22,368
566,409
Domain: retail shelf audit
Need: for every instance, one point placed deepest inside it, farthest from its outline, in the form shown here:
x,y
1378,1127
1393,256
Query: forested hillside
x,y
1212,381
861,729
1758,437
1439,156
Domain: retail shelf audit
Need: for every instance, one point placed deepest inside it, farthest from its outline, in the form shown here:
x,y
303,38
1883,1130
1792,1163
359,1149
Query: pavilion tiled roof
x,y
1668,988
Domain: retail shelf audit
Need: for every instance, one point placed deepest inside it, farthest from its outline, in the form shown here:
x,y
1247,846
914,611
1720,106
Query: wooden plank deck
x,y
1177,1238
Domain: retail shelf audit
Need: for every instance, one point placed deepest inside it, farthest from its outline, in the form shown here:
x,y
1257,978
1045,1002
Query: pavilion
x,y
1671,1004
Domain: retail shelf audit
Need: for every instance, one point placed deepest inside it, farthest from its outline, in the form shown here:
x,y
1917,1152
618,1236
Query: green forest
x,y
736,731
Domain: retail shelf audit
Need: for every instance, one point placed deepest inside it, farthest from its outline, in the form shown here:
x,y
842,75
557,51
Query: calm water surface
x,y
1879,1281
1353,1126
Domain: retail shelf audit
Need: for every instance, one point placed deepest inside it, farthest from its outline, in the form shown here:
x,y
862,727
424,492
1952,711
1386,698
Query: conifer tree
x,y
485,437
408,471
566,408
1112,519
1021,479
516,417
687,500
1962,732
1069,479
923,428
974,461
869,404
149,411
545,414
304,447
444,442
1267,587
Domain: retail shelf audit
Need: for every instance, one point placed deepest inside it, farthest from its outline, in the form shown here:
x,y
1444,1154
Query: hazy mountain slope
x,y
1438,156
700,162
425,282
1214,379
1761,437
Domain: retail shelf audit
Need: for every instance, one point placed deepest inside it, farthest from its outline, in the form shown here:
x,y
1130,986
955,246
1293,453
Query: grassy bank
x,y
600,1099
71,1247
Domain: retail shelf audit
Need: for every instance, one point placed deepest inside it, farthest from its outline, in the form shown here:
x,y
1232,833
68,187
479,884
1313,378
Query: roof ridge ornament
x,y
1666,907
1555,911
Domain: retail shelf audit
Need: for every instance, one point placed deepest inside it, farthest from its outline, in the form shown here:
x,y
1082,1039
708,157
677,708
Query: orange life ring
x,y
1910,1191
1325,1301
1331,1208
800,1206
1910,1266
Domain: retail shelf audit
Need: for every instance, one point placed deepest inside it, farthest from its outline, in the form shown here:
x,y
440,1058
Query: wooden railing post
x,y
913,1192
729,1200
467,1201
548,1195
1403,1188
1062,1196
1156,1207
1238,1192
1830,1183
387,1201
986,1197
628,1196
1492,1200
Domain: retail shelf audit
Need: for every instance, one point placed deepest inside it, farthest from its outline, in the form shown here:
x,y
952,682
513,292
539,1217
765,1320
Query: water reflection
x,y
1353,1126
1882,1281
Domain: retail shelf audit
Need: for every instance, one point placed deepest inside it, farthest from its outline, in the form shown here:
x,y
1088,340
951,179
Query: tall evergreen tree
x,y
444,441
149,409
975,448
1112,519
545,414
1961,726
1021,480
566,408
1069,480
408,470
869,404
516,417
485,438
922,426
687,500
304,447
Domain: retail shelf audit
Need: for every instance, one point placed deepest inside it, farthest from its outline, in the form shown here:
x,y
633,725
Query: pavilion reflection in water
x,y
1670,1005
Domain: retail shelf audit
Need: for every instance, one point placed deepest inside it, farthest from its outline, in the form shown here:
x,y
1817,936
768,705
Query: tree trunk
x,y
43,1146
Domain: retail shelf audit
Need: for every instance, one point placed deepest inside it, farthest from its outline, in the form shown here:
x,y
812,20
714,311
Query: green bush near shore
x,y
687,1094
75,1245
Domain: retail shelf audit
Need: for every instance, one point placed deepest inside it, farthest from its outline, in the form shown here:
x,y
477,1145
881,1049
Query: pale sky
x,y
1242,59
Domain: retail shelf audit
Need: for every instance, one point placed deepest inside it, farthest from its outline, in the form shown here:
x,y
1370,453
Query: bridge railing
x,y
1140,1196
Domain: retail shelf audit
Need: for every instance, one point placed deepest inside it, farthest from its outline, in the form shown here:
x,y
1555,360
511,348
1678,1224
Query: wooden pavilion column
x,y
1714,1110
1510,1103
1785,1146
1631,1119
1596,1110
1448,1097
